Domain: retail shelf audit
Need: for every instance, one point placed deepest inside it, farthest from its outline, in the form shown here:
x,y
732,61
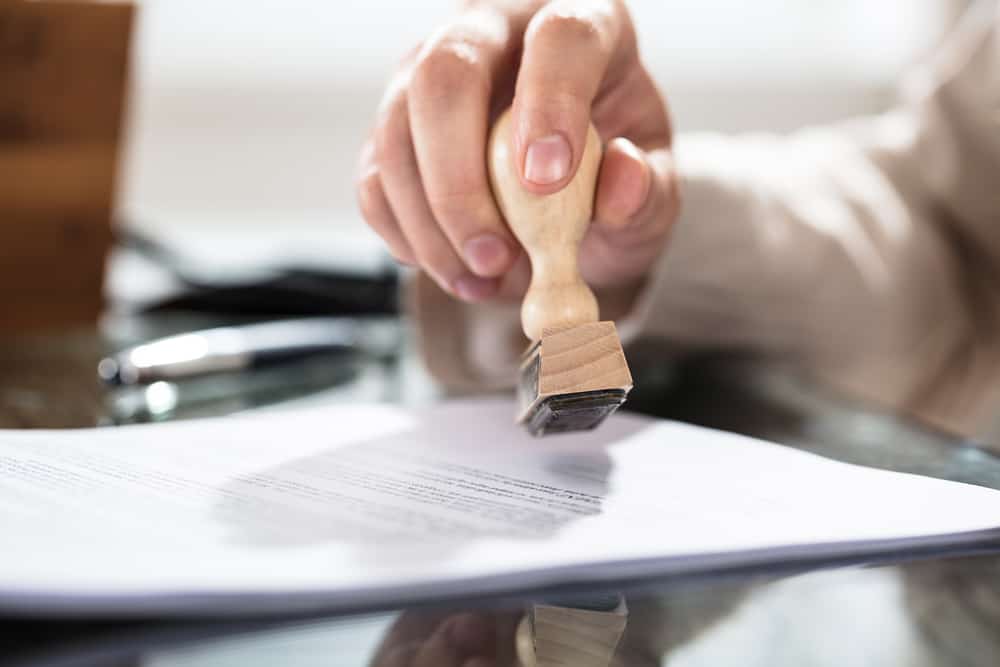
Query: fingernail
x,y
487,254
474,288
548,160
470,633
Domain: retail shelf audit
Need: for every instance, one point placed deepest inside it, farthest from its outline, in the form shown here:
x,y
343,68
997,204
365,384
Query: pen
x,y
245,347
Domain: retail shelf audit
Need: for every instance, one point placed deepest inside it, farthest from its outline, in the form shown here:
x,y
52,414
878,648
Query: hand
x,y
489,638
423,184
458,639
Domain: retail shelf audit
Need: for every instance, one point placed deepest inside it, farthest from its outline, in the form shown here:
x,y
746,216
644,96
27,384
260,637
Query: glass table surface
x,y
919,609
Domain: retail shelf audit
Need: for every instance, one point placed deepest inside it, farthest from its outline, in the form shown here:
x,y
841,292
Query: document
x,y
363,506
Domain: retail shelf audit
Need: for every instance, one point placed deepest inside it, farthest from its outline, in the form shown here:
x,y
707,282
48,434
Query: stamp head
x,y
571,380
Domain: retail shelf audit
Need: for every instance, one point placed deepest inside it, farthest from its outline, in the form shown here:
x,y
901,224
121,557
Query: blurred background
x,y
246,117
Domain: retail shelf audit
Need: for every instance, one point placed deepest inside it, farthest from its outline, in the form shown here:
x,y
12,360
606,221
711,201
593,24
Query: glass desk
x,y
925,609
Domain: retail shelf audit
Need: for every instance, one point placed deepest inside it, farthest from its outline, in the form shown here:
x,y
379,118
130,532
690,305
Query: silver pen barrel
x,y
235,348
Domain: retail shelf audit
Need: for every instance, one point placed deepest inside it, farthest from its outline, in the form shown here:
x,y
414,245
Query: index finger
x,y
453,83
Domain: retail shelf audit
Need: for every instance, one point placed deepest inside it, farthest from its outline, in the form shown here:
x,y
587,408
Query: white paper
x,y
355,505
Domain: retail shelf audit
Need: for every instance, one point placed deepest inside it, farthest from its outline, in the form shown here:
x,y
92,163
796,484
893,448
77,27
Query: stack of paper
x,y
358,506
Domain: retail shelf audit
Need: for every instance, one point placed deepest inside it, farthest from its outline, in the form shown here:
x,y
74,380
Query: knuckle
x,y
395,91
562,28
448,68
456,204
558,104
439,259
369,194
412,54
392,135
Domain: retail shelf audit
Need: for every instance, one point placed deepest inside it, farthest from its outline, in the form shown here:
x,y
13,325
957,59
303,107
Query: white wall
x,y
253,111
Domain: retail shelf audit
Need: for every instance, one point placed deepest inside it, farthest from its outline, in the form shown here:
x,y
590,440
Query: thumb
x,y
568,47
550,144
637,195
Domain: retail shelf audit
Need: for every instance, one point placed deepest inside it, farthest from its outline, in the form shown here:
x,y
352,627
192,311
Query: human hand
x,y
423,184
448,639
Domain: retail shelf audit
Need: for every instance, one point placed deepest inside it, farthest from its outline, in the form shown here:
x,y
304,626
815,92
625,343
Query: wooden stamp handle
x,y
550,228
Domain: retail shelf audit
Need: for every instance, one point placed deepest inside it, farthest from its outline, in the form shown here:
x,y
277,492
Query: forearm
x,y
812,247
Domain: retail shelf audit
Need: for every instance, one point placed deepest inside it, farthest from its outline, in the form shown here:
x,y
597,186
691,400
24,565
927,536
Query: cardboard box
x,y
64,67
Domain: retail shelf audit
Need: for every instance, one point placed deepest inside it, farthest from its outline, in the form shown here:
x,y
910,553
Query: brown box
x,y
64,68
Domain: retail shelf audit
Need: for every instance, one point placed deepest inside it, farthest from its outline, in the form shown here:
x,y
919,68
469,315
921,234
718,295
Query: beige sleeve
x,y
845,248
